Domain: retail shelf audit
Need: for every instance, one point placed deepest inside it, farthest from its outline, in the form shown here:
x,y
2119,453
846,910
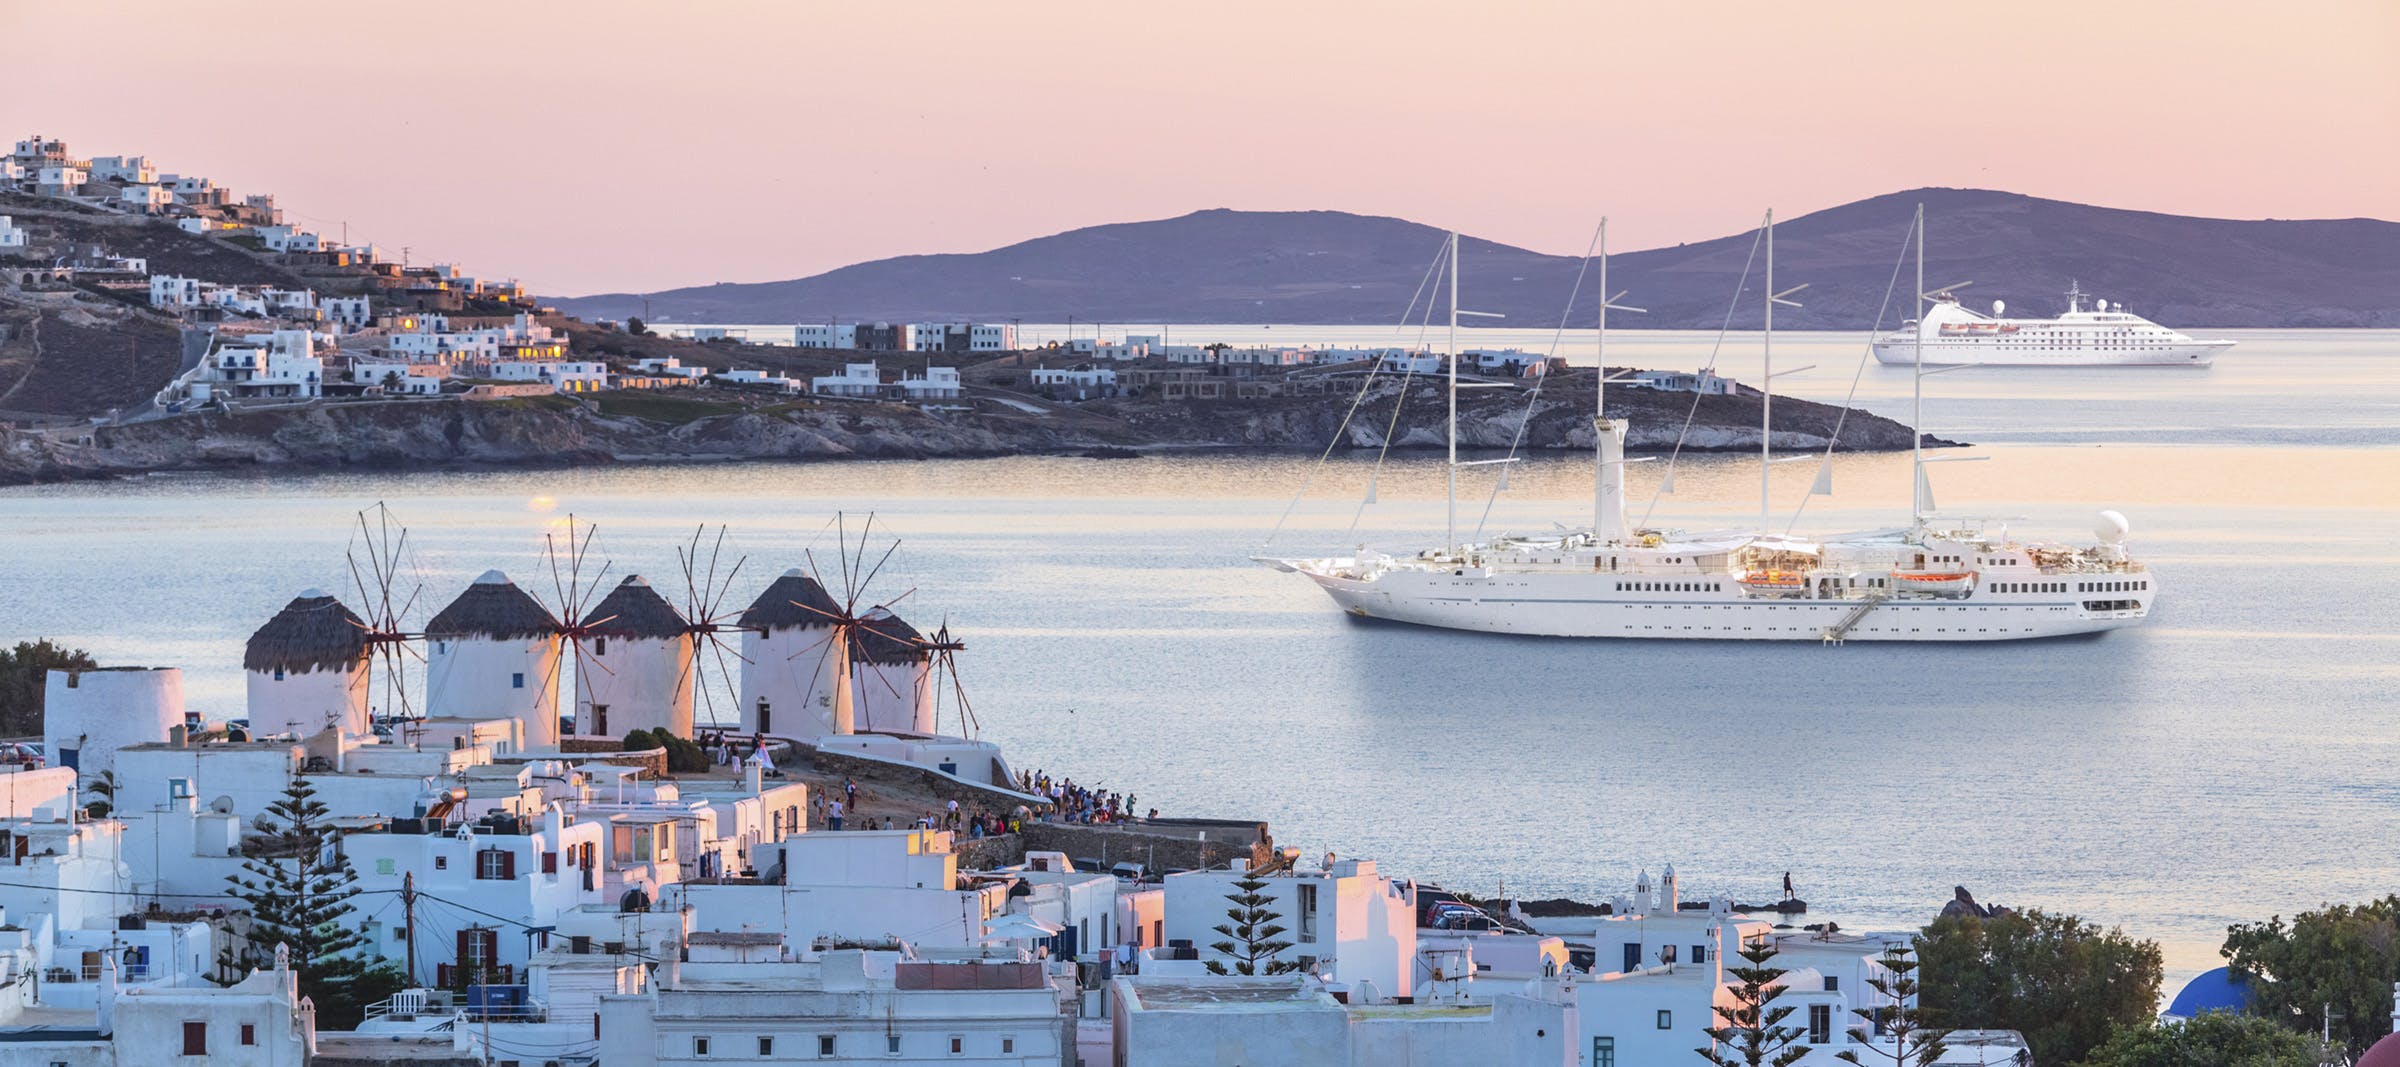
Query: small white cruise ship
x,y
2103,336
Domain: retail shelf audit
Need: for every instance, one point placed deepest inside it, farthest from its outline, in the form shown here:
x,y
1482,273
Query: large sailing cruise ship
x,y
1951,334
1928,581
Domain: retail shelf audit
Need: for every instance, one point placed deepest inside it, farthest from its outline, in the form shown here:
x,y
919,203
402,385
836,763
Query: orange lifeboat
x,y
1774,580
1944,584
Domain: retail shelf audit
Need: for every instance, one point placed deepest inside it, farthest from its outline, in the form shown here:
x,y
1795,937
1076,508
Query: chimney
x,y
178,736
756,773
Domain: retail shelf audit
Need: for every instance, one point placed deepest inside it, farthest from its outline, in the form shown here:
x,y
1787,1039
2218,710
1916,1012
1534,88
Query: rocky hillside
x,y
634,427
1333,267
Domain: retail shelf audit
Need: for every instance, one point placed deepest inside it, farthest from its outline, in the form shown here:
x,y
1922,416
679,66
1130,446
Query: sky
x,y
601,146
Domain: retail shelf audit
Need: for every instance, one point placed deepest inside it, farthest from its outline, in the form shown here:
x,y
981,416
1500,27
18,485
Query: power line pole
x,y
408,917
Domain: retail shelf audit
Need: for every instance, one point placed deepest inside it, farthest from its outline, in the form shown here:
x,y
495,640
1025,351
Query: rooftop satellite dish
x,y
2111,528
221,805
1999,307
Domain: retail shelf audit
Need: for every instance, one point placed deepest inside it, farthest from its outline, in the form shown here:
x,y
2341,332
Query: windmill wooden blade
x,y
887,556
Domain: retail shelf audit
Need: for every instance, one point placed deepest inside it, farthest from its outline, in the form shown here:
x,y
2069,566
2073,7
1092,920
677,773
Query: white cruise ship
x,y
1929,581
1951,334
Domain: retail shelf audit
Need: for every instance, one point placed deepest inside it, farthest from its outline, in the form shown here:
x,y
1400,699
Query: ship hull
x,y
1569,605
1980,353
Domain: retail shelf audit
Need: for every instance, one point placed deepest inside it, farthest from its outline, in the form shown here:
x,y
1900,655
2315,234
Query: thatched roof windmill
x,y
493,653
638,671
845,622
311,659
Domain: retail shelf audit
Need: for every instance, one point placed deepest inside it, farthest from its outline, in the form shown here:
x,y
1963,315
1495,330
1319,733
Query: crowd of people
x,y
1073,803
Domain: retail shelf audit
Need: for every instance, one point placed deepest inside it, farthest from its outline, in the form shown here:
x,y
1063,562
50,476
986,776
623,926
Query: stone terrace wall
x,y
1194,844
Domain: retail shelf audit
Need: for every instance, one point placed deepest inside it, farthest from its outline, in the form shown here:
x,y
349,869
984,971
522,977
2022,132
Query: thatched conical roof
x,y
882,637
633,609
775,609
493,607
313,632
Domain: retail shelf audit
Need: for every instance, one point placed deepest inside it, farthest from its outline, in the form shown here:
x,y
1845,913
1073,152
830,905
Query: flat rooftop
x,y
1166,994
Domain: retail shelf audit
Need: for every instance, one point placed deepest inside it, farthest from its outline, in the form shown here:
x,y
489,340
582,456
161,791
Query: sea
x,y
2234,758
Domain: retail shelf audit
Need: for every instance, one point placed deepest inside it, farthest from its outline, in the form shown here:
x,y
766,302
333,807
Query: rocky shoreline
x,y
562,431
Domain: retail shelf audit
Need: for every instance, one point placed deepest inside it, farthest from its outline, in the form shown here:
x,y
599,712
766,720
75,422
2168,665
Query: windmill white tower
x,y
826,663
891,669
495,654
782,692
635,665
308,667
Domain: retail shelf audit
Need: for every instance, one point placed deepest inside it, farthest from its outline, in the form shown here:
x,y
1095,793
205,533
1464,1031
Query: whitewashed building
x,y
855,380
145,199
828,335
494,653
518,873
175,291
1704,381
309,665
354,312
962,337
13,239
854,885
400,379
669,367
566,376
260,1021
1342,916
135,170
59,179
848,1006
635,670
88,715
284,238
196,191
1081,383
282,364
937,383
1293,1021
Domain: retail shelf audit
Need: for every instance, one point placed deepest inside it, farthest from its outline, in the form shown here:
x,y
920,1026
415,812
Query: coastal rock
x,y
568,431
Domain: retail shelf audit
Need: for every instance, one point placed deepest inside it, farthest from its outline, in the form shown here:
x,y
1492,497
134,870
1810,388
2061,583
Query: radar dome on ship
x,y
2111,528
1999,308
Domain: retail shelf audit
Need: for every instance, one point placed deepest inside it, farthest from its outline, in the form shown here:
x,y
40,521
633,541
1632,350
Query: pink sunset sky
x,y
587,147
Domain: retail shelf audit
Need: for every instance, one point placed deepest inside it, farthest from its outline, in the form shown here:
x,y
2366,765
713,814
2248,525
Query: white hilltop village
x,y
390,329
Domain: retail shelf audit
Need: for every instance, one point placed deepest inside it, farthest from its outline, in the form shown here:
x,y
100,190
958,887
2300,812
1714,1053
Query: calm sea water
x,y
2235,758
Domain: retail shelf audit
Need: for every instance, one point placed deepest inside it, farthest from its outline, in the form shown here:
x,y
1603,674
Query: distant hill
x,y
1330,267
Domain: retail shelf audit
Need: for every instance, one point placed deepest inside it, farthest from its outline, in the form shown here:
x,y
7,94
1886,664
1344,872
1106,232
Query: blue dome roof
x,y
2216,990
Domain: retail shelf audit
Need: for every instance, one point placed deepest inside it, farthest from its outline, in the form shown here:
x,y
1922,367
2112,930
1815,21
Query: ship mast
x,y
1608,438
1766,385
1916,417
1602,531
1450,540
1766,381
1920,498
